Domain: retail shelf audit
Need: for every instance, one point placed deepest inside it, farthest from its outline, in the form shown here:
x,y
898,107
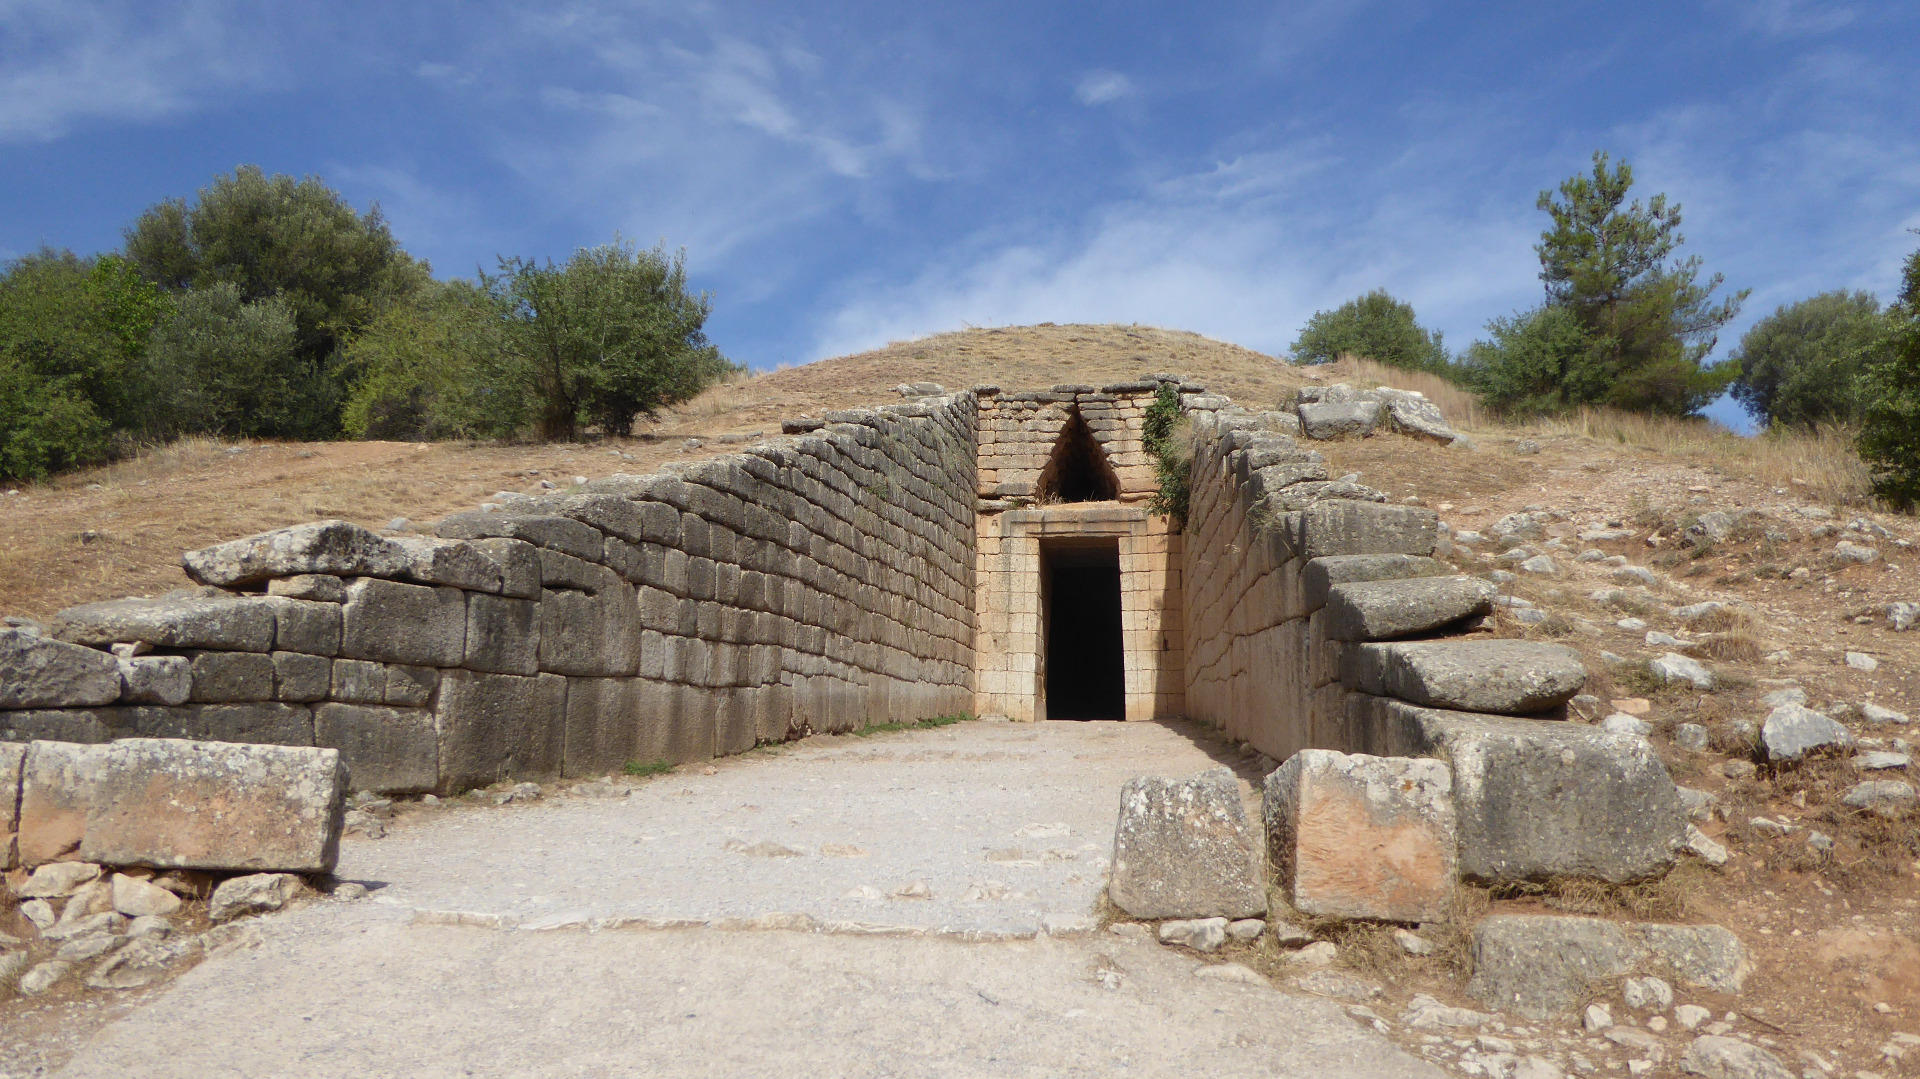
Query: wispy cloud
x,y
64,63
1101,86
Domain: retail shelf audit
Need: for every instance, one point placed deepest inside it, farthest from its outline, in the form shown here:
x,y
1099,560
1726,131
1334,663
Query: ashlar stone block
x,y
385,750
1385,610
1183,849
404,623
1357,836
41,672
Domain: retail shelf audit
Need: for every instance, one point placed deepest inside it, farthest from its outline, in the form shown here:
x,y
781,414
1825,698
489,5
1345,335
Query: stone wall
x,y
815,582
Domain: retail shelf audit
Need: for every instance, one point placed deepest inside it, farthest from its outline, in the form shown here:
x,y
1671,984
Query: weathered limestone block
x,y
1363,837
503,635
186,805
1343,419
256,722
452,562
595,634
519,563
603,726
410,686
1320,575
299,677
231,676
1344,526
81,725
1183,849
40,672
319,587
386,750
1792,731
13,756
359,681
542,530
1540,966
331,547
156,679
1384,610
1501,676
185,619
1409,411
308,626
498,725
1536,799
404,623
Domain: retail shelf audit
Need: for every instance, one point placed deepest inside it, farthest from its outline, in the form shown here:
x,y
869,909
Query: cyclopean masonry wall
x,y
815,582
1029,507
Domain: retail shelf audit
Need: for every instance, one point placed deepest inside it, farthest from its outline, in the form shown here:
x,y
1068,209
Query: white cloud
x,y
1100,86
63,62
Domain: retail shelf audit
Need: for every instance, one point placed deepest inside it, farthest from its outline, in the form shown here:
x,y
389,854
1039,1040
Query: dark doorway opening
x,y
1085,662
1078,470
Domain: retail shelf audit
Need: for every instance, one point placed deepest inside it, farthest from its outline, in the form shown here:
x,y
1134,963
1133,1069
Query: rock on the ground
x,y
1501,676
1890,798
137,898
44,977
172,803
40,672
1690,1016
58,879
1861,661
1716,1057
1673,667
1692,736
1410,411
1358,836
1903,616
1200,934
1232,972
256,893
1792,731
1346,419
1412,943
1647,993
1539,966
1622,723
1246,929
140,963
1318,954
1875,713
1705,848
1425,1013
1183,849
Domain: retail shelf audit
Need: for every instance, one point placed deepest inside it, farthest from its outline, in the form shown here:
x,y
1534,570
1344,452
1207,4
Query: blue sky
x,y
843,174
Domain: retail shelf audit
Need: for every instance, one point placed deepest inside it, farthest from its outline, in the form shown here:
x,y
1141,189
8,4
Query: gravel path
x,y
610,936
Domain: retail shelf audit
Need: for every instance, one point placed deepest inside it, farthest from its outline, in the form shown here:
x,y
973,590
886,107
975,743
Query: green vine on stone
x,y
1163,430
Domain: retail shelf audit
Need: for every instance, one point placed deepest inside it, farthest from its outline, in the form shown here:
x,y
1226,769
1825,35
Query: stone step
x,y
1384,610
1504,677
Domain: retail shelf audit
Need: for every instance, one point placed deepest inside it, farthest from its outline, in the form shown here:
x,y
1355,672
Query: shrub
x,y
1890,417
1375,326
1163,432
228,367
1802,365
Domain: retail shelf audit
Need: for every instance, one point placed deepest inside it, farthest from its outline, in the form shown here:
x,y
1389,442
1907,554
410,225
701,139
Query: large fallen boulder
x,y
1384,610
1539,966
1339,419
1183,849
1504,677
175,804
39,672
1362,837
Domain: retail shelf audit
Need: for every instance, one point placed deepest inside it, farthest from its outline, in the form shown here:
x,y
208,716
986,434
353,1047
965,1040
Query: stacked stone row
x,y
1018,432
815,582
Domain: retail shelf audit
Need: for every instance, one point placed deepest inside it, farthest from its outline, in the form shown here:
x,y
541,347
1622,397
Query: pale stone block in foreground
x,y
170,803
1363,837
1183,849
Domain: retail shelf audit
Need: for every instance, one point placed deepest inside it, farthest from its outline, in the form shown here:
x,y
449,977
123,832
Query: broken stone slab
x,y
1540,966
1537,799
257,893
548,531
337,548
1321,575
1715,1057
1384,610
190,618
1410,412
1792,731
175,804
452,562
1503,676
41,672
1183,849
1357,836
1323,420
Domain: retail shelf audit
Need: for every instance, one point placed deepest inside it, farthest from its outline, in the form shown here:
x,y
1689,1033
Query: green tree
x,y
1890,414
294,241
1375,326
1802,365
73,338
1527,365
1647,320
228,367
538,348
